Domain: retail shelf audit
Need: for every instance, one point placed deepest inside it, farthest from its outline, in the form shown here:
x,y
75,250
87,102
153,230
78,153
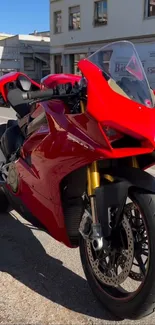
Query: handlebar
x,y
38,94
46,94
49,93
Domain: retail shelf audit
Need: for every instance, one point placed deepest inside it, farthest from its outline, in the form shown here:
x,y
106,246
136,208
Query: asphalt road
x,y
41,281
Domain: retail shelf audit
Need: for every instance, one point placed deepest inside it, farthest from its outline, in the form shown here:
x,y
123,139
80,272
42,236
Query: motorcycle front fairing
x,y
55,151
112,107
68,143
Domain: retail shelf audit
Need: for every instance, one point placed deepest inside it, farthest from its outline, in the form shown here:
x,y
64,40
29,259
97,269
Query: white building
x,y
26,53
79,27
3,35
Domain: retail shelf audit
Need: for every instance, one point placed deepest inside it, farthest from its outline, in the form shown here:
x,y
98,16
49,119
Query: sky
x,y
24,16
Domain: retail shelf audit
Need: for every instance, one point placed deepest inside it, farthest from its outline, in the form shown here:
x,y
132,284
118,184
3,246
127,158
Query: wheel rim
x,y
130,263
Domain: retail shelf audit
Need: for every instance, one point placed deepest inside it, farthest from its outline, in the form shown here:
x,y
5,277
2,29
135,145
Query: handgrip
x,y
38,94
46,94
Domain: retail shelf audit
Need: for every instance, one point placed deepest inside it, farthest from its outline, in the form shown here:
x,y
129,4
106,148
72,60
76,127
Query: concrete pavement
x,y
41,281
6,113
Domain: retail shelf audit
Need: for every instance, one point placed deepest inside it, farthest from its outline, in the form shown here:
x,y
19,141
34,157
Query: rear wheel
x,y
123,276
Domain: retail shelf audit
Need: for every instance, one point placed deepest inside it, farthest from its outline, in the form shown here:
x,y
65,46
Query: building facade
x,y
26,53
79,27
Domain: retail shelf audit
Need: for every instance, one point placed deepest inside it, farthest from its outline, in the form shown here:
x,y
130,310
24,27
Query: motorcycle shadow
x,y
23,257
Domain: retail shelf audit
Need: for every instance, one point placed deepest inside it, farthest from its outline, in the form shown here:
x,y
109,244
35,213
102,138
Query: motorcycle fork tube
x,y
93,178
82,106
135,162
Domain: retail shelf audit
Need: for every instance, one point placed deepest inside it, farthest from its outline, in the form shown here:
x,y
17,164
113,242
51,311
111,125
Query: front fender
x,y
136,177
113,195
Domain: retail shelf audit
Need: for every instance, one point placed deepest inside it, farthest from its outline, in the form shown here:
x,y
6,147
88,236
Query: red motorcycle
x,y
73,163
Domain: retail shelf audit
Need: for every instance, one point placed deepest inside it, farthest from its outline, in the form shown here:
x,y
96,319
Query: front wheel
x,y
123,277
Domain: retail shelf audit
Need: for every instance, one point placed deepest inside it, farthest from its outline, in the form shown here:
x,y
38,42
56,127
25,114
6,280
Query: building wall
x,y
14,51
9,42
125,19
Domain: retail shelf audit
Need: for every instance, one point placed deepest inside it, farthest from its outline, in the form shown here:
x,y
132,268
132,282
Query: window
x,y
149,8
57,22
100,13
77,58
58,64
29,64
74,18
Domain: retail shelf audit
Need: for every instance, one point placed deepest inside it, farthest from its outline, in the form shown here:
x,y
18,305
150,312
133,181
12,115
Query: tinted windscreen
x,y
122,68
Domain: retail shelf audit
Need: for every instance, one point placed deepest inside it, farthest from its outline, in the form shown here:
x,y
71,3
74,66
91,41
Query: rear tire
x,y
143,302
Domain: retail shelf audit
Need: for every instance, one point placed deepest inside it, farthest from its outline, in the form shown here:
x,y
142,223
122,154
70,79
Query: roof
x,y
3,36
36,33
38,38
24,37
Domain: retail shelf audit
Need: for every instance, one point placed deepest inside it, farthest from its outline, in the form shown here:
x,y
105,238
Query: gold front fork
x,y
93,179
93,176
135,162
82,106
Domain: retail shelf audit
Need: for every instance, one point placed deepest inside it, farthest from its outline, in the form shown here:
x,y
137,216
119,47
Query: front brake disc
x,y
126,261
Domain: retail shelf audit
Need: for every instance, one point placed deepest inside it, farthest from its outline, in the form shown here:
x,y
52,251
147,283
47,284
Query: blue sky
x,y
24,16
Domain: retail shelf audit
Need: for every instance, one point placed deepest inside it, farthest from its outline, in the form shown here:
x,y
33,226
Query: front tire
x,y
142,302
